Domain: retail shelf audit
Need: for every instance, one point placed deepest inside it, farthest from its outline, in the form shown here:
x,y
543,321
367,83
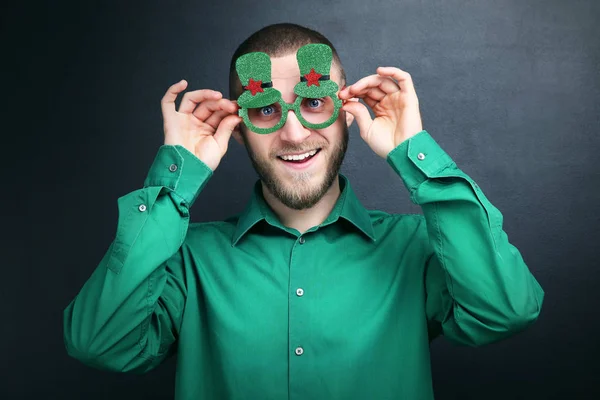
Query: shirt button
x,y
142,207
421,156
299,351
299,291
301,239
173,167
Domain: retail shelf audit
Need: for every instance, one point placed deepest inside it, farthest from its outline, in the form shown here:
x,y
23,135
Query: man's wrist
x,y
178,169
418,158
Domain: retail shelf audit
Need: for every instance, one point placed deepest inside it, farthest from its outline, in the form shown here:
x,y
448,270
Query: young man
x,y
305,294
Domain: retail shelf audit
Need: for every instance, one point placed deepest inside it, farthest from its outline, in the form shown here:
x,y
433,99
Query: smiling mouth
x,y
304,160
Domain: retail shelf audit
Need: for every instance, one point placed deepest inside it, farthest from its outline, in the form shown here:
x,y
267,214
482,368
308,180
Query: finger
x,y
167,103
215,119
190,100
361,115
374,93
370,102
208,107
370,96
345,92
226,127
403,78
386,84
237,106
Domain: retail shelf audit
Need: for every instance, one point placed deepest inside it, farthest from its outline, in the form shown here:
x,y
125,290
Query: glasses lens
x,y
317,111
265,117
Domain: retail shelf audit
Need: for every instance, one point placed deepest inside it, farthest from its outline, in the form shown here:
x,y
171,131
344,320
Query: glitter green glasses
x,y
262,107
313,113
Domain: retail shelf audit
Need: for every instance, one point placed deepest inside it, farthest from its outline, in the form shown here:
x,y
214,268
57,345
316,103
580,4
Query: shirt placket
x,y
299,354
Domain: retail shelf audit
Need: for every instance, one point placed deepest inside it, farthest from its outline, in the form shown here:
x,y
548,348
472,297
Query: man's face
x,y
297,185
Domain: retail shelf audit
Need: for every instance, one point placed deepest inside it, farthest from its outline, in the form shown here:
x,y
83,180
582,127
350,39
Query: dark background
x,y
509,88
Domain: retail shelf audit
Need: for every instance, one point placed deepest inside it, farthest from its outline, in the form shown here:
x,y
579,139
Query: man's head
x,y
296,186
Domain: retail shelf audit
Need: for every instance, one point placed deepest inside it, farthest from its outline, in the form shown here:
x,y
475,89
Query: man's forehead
x,y
285,67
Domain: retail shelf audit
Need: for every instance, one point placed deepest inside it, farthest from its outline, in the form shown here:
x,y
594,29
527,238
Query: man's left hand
x,y
391,95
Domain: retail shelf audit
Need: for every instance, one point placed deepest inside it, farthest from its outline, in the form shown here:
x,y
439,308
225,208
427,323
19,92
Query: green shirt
x,y
256,310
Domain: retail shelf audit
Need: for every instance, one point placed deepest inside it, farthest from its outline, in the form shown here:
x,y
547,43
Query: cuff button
x,y
421,156
173,167
142,207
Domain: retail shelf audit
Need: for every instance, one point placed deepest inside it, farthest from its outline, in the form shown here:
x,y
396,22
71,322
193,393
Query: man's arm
x,y
479,289
128,314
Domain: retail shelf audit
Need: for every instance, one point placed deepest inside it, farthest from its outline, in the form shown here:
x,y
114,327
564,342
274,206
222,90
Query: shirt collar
x,y
347,206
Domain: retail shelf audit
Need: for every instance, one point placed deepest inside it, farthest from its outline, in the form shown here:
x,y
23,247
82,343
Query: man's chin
x,y
298,194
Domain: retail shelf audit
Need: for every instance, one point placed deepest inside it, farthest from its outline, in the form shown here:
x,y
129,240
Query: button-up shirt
x,y
257,310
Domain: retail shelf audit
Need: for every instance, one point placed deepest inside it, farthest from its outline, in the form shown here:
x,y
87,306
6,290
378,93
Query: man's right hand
x,y
203,124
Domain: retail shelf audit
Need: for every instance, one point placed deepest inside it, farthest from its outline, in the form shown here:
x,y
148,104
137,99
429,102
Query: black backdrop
x,y
509,88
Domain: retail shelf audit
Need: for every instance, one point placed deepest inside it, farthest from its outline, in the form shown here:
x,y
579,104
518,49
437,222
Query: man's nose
x,y
293,130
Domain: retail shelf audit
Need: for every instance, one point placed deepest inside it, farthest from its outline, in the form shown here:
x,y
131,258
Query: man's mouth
x,y
301,159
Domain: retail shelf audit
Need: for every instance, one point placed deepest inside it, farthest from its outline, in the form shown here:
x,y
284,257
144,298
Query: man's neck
x,y
303,220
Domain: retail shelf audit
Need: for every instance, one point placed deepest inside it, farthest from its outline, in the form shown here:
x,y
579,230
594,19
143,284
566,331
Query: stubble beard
x,y
300,193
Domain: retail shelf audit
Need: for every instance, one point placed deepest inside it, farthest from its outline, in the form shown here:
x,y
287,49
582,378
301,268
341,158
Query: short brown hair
x,y
278,40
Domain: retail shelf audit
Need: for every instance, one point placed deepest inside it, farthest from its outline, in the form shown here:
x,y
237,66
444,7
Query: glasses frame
x,y
295,106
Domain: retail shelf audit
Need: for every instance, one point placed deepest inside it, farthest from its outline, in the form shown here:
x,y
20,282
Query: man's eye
x,y
266,111
315,103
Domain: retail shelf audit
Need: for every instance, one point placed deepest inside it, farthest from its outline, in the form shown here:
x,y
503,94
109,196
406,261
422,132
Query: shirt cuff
x,y
417,159
176,168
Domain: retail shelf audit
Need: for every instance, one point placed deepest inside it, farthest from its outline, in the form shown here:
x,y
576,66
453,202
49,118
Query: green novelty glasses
x,y
261,105
313,113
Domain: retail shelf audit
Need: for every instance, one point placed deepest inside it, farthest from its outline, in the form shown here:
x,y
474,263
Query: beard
x,y
301,193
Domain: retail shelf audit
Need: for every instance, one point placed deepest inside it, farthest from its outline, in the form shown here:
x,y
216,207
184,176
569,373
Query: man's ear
x,y
237,134
349,117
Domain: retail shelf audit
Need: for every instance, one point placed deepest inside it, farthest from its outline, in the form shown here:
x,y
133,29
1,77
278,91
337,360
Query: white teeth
x,y
300,156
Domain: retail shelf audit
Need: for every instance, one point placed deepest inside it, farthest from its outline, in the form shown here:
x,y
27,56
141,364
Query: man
x,y
305,294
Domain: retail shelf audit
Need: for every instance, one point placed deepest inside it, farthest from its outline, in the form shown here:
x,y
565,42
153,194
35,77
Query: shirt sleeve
x,y
479,289
127,315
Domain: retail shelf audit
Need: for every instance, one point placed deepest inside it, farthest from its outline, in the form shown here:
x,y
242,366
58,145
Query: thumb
x,y
360,113
225,129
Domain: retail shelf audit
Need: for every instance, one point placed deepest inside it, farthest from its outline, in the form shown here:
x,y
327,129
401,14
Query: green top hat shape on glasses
x,y
254,72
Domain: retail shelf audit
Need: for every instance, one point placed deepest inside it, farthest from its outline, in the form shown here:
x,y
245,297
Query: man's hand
x,y
203,124
392,97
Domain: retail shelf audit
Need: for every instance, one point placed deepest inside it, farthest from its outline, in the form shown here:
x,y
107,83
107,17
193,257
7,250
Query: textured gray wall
x,y
510,89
